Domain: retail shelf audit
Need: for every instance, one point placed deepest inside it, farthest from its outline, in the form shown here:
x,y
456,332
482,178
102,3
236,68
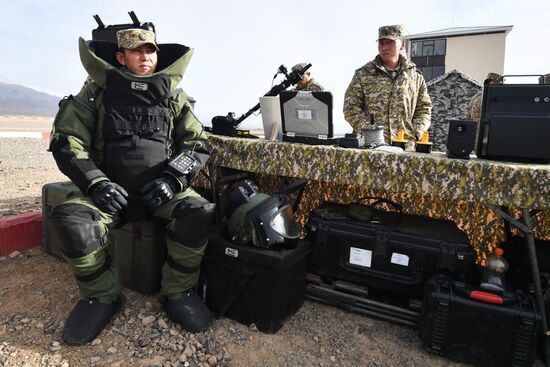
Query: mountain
x,y
17,99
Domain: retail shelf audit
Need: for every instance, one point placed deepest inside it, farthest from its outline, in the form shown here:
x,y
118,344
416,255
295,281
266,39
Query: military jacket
x,y
399,101
474,110
311,86
78,133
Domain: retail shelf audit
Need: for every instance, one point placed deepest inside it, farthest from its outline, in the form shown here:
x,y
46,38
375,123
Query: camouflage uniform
x,y
311,86
544,79
474,110
397,101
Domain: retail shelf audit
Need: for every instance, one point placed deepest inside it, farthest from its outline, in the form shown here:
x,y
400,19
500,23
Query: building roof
x,y
453,72
461,31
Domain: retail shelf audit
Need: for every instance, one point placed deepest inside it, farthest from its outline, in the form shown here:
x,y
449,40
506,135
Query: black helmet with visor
x,y
255,217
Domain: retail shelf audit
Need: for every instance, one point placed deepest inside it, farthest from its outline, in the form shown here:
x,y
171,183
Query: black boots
x,y
189,311
87,319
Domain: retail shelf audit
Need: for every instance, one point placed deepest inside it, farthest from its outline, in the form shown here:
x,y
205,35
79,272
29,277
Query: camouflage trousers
x,y
81,230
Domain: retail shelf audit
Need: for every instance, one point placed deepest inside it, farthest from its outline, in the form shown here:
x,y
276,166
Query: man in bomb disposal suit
x,y
132,144
390,88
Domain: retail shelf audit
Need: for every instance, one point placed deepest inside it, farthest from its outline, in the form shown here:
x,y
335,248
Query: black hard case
x,y
251,284
485,334
432,246
137,248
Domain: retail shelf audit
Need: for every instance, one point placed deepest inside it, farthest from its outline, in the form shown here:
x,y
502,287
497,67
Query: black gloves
x,y
160,190
109,197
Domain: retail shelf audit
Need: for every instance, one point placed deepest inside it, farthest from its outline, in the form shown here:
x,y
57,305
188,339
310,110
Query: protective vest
x,y
136,127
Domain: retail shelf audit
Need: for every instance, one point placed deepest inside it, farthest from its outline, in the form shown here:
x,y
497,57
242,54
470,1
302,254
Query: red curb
x,y
46,134
20,232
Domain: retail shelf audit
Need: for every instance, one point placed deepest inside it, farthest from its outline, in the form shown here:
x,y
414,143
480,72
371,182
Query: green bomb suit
x,y
125,128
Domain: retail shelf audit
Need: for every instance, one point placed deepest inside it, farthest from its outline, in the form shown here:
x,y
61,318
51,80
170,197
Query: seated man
x,y
474,110
307,83
117,140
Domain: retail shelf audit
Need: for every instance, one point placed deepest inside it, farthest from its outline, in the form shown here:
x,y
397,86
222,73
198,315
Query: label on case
x,y
399,259
359,256
231,252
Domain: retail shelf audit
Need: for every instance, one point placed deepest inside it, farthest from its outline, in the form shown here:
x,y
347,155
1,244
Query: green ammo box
x,y
137,248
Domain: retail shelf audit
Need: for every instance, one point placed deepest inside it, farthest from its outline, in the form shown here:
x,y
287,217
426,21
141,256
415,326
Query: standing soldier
x,y
119,140
390,88
307,83
474,109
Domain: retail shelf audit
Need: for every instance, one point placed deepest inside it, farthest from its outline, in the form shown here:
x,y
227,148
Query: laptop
x,y
307,117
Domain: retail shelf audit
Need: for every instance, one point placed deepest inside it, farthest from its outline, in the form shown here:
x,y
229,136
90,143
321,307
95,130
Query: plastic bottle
x,y
495,271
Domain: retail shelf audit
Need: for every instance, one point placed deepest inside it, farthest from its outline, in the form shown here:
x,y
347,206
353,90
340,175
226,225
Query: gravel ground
x,y
37,292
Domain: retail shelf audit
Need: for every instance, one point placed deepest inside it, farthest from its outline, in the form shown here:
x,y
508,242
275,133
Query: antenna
x,y
134,18
99,22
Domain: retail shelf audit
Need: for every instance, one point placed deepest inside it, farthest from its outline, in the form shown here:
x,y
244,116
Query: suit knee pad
x,y
193,219
77,229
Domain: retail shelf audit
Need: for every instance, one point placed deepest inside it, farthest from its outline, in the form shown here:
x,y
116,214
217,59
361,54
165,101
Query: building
x,y
474,51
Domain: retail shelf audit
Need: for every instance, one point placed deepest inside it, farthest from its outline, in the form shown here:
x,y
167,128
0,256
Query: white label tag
x,y
359,256
139,86
399,259
305,115
231,252
291,134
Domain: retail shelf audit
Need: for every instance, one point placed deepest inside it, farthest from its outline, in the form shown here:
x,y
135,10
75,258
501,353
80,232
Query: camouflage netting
x,y
430,185
451,94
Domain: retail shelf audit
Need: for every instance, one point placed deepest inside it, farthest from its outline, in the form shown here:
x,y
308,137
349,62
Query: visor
x,y
284,224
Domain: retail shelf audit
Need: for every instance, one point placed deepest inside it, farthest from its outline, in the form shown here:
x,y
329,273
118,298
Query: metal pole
x,y
533,262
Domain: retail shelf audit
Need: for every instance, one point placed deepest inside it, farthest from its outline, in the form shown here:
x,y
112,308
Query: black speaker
x,y
461,139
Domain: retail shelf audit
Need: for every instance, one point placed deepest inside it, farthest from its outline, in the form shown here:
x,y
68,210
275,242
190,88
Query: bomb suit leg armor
x,y
81,230
189,218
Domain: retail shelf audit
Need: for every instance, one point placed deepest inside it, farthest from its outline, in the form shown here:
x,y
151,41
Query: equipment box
x,y
387,250
456,324
251,284
137,248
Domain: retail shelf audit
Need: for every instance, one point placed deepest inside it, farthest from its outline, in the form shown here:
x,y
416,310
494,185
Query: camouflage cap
x,y
299,66
392,32
495,76
544,79
135,37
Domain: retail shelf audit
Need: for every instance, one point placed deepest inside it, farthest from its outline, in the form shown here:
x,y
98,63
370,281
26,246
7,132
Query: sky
x,y
239,44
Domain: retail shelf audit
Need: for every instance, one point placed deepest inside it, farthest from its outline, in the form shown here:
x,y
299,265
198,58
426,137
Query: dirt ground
x,y
37,291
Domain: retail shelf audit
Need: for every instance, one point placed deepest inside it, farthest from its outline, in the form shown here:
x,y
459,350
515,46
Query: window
x,y
415,49
440,47
429,57
438,71
427,72
427,48
432,72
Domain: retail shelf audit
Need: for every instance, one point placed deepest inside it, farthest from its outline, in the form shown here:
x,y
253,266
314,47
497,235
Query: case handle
x,y
378,200
486,297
